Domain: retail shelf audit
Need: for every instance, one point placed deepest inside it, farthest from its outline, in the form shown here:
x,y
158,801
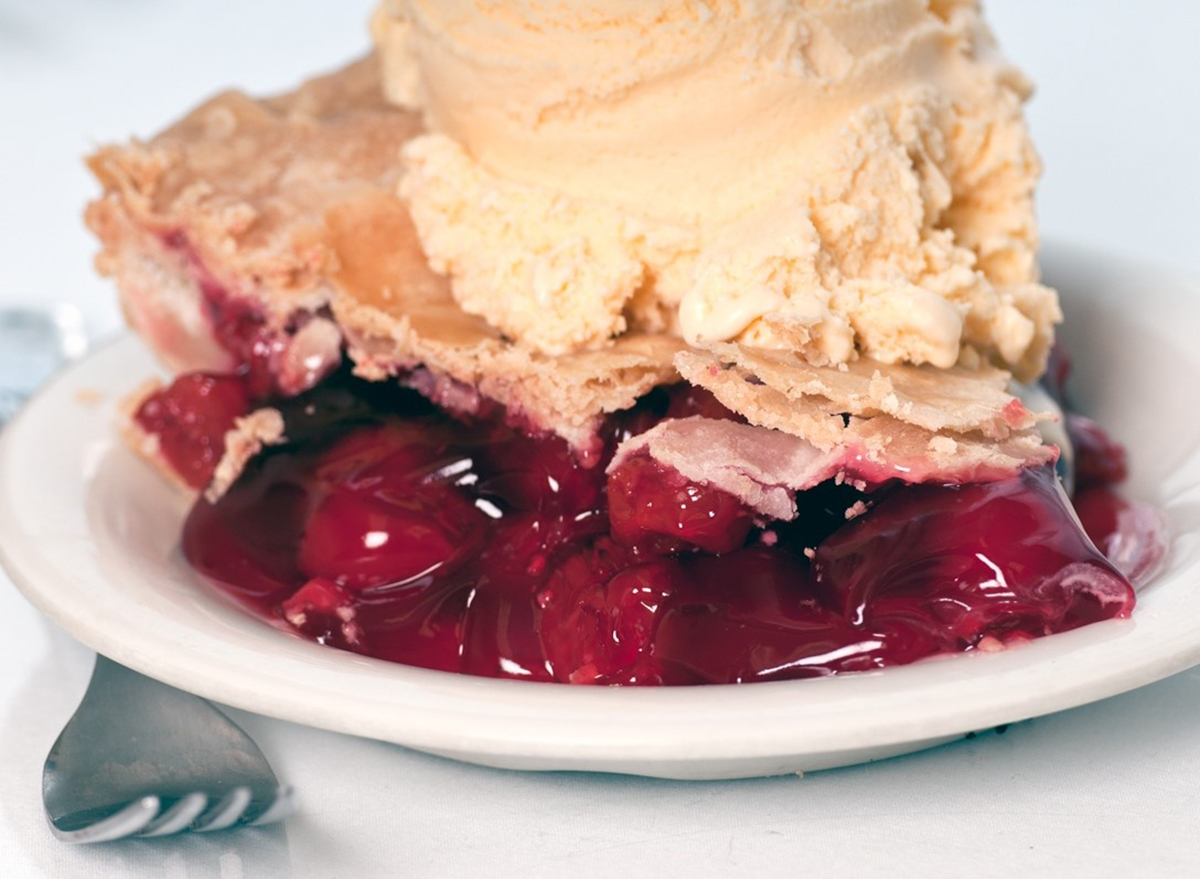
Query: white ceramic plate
x,y
89,534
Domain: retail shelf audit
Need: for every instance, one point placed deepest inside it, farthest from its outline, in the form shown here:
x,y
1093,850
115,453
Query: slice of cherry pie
x,y
380,471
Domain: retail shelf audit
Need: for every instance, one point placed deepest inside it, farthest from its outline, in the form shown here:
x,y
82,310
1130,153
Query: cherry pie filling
x,y
387,527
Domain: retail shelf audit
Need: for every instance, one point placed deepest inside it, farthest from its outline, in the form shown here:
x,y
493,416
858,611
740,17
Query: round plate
x,y
89,533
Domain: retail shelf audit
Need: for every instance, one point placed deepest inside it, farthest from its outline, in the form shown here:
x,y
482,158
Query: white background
x,y
1109,789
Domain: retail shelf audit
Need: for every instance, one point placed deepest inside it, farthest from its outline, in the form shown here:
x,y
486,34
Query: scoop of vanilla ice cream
x,y
834,178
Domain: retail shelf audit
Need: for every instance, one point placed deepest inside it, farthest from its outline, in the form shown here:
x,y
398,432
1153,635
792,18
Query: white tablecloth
x,y
1112,788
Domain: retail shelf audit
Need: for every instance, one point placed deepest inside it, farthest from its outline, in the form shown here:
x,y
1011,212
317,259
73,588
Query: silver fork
x,y
140,758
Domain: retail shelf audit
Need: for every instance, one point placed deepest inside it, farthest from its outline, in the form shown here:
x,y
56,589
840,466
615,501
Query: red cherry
x,y
656,508
598,618
190,418
389,536
540,474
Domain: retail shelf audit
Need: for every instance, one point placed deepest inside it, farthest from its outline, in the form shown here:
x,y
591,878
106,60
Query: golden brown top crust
x,y
777,389
291,202
248,182
962,424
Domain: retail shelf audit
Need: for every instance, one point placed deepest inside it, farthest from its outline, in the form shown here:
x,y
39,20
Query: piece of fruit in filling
x,y
599,613
655,508
189,418
386,512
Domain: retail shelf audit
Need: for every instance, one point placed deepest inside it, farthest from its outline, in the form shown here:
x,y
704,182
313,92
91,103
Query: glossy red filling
x,y
472,547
